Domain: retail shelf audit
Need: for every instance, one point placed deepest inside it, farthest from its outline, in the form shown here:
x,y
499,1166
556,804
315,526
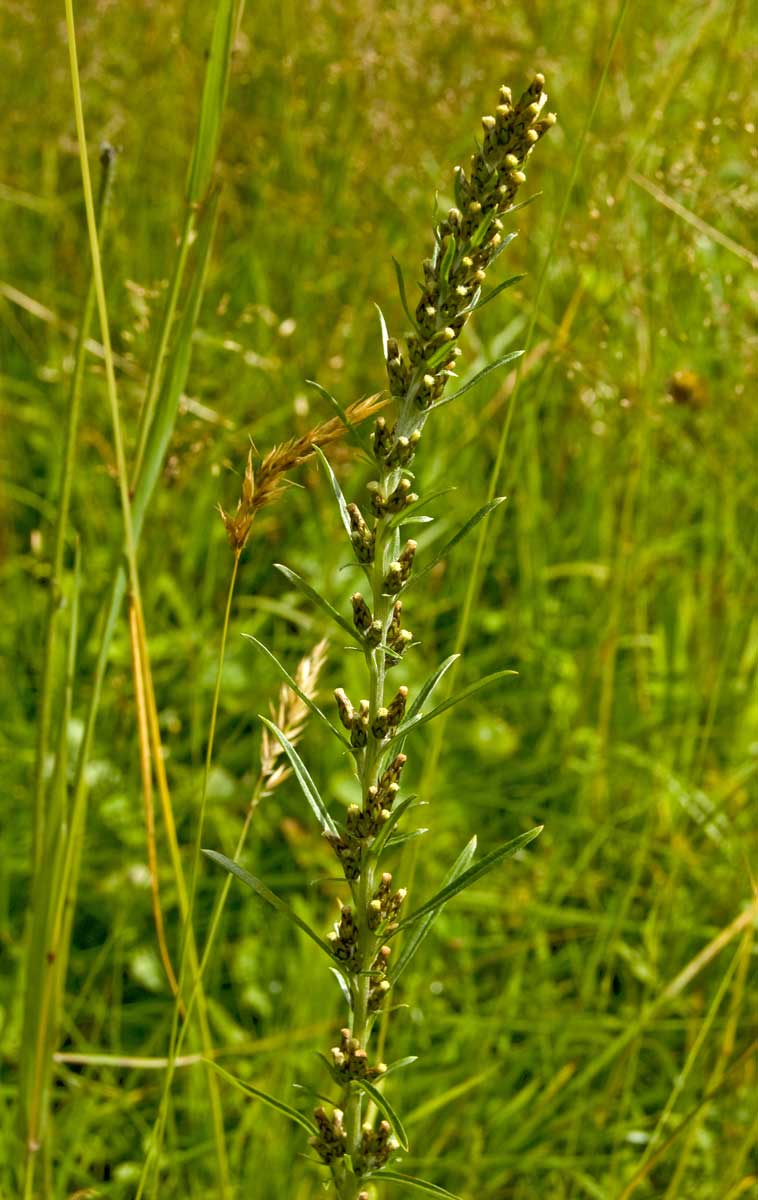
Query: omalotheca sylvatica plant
x,y
355,1146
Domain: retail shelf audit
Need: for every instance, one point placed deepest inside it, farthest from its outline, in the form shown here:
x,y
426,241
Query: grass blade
x,y
309,789
213,102
266,894
473,874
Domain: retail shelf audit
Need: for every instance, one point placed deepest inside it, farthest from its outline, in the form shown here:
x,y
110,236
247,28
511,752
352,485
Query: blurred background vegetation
x,y
560,1046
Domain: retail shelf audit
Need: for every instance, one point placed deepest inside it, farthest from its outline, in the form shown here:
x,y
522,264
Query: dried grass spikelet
x,y
266,483
290,715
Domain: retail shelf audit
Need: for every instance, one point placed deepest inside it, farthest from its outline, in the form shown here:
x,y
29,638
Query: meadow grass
x,y
585,1024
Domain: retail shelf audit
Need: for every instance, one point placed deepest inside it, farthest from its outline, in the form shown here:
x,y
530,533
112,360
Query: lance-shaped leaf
x,y
265,893
399,1064
309,789
482,300
422,929
383,1104
505,242
419,1185
403,296
397,812
385,334
403,517
337,490
295,686
448,257
279,1106
422,718
356,435
308,590
464,530
493,366
493,859
429,685
399,839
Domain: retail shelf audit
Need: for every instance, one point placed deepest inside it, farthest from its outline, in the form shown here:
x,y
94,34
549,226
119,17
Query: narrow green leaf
x,y
336,489
447,259
266,894
360,440
429,685
473,874
482,228
383,1104
403,296
420,1185
399,839
493,366
397,812
464,530
292,683
213,102
501,287
343,986
175,378
401,1062
506,241
420,933
404,517
309,789
321,601
522,204
422,718
279,1106
385,334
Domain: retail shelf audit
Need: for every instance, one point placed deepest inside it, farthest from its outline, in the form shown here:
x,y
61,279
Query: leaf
x,y
310,791
266,894
429,685
403,297
505,242
464,530
474,873
397,812
385,334
177,369
401,1062
422,718
420,1185
403,517
343,986
447,260
321,601
418,935
213,102
493,366
278,1105
399,839
355,433
383,1104
292,683
491,295
337,491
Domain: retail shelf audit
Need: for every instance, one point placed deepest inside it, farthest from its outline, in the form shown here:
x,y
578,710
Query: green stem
x,y
55,588
156,1143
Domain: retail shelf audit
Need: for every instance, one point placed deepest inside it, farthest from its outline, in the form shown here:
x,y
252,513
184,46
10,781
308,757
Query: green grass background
x,y
620,582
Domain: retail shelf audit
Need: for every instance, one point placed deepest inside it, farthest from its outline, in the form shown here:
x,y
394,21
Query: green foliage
x,y
618,580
